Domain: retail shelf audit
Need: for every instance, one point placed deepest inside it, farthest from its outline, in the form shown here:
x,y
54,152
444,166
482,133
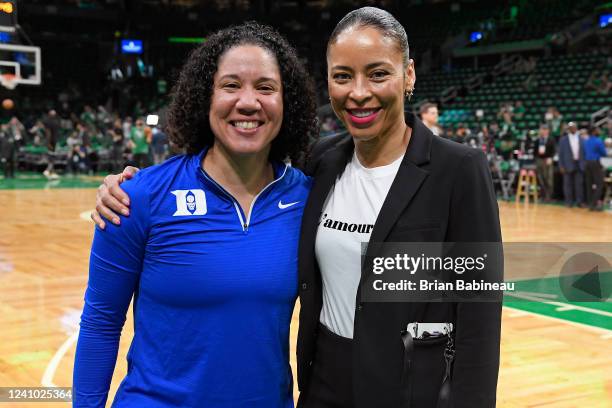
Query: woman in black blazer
x,y
390,180
438,191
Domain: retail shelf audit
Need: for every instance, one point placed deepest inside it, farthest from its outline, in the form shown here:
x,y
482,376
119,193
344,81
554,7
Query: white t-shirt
x,y
347,220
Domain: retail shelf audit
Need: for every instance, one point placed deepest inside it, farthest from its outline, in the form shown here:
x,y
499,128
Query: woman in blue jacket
x,y
209,251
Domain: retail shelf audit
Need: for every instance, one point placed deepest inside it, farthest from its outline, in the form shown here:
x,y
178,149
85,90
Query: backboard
x,y
22,63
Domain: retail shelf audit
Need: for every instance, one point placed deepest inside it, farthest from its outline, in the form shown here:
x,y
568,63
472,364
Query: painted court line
x,y
47,379
537,294
599,330
565,306
517,313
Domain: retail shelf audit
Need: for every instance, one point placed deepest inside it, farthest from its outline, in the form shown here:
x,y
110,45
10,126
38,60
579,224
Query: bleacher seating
x,y
430,86
557,81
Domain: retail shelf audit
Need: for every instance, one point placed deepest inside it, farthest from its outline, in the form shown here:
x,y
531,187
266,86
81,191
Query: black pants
x,y
594,182
331,384
51,160
573,186
9,165
116,158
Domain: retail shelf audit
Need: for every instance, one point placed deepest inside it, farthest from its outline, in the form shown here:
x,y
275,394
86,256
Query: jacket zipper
x,y
243,224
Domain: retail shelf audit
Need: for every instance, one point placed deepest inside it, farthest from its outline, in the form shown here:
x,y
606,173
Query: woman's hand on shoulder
x,y
111,200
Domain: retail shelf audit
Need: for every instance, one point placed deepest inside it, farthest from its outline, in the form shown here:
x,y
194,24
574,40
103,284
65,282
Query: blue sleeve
x,y
115,264
602,148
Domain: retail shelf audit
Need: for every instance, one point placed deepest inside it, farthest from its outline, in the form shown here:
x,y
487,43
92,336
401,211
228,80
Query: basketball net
x,y
9,81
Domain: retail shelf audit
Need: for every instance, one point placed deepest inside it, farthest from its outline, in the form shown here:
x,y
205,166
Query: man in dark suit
x,y
572,166
442,192
8,151
544,151
594,150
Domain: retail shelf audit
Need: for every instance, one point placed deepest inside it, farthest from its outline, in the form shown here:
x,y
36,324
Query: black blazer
x,y
550,148
443,191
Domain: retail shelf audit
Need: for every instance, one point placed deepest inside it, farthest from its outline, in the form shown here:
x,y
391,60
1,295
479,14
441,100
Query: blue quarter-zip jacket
x,y
213,293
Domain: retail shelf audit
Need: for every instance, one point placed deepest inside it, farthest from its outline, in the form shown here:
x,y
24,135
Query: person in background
x,y
572,165
544,151
606,130
17,130
429,116
77,157
159,145
594,150
507,125
116,154
88,118
584,134
462,133
86,136
474,140
140,144
83,134
52,128
8,151
103,119
329,127
486,139
519,110
38,133
127,128
598,83
505,108
554,119
530,83
494,130
449,133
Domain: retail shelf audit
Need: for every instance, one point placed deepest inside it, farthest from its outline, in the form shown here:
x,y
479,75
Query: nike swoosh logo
x,y
283,206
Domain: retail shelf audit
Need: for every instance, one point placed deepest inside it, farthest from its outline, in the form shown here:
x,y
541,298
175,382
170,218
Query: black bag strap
x,y
406,383
444,397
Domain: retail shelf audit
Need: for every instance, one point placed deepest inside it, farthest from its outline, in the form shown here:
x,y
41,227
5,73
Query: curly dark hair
x,y
188,125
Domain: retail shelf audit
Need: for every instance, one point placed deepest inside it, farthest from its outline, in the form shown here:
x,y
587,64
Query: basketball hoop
x,y
9,81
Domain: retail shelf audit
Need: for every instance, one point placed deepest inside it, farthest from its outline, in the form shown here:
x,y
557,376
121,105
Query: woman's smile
x,y
363,116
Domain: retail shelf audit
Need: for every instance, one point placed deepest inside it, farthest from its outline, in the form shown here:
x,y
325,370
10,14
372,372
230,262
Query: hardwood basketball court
x,y
45,236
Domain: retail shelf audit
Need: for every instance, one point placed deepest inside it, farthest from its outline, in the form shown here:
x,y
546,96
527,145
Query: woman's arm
x,y
114,269
474,218
111,200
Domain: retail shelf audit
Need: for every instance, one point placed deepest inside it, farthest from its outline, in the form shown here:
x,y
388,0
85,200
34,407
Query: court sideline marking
x,y
604,333
562,307
47,378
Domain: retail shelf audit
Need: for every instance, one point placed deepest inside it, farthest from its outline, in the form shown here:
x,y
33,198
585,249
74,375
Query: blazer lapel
x,y
406,184
331,166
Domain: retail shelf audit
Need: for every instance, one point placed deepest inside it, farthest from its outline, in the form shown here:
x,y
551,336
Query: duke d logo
x,y
190,202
